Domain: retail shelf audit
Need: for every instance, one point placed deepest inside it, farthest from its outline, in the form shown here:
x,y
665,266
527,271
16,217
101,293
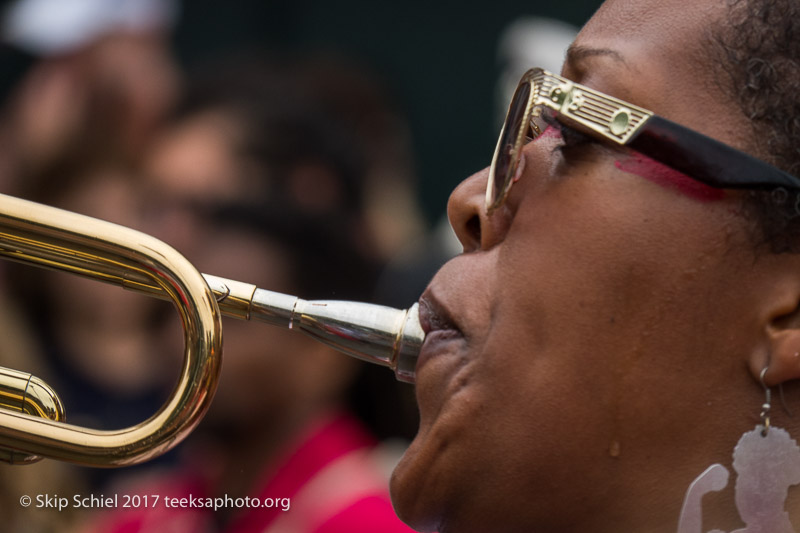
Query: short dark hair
x,y
757,55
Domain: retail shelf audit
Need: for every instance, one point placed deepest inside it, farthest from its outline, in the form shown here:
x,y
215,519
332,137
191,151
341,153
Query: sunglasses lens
x,y
509,145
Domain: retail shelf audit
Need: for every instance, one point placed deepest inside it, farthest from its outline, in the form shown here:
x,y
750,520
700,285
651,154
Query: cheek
x,y
658,173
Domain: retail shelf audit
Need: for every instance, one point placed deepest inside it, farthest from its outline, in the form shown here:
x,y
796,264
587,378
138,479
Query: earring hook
x,y
766,406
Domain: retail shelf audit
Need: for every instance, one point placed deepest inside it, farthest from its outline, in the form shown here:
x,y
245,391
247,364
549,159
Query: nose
x,y
466,209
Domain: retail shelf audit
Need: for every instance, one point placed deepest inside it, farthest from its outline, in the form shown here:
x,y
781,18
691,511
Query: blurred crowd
x,y
292,173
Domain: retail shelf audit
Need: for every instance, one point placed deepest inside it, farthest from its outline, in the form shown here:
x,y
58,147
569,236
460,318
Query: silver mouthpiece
x,y
374,333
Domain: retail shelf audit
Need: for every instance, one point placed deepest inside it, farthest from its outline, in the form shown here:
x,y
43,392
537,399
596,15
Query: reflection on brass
x,y
52,238
24,393
31,423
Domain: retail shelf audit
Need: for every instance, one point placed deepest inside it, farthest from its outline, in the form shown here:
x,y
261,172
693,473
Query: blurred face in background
x,y
103,100
269,375
104,331
76,125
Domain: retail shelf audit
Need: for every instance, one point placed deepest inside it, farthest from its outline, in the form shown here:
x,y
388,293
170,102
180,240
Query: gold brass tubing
x,y
24,393
233,297
52,238
57,239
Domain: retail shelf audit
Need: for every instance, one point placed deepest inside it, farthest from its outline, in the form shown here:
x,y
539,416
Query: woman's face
x,y
587,348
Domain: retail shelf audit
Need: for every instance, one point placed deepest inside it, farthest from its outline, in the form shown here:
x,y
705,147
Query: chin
x,y
408,488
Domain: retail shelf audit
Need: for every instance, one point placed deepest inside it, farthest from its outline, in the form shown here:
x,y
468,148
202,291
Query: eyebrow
x,y
577,54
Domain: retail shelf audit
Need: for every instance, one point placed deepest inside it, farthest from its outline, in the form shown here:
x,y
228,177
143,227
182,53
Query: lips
x,y
439,327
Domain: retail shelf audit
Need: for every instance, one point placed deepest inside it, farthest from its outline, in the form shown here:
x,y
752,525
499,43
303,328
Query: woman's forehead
x,y
625,18
672,34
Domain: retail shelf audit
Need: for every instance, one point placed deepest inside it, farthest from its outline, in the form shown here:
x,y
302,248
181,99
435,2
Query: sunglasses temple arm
x,y
706,159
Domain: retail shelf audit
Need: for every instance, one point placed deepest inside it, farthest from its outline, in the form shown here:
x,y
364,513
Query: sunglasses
x,y
619,123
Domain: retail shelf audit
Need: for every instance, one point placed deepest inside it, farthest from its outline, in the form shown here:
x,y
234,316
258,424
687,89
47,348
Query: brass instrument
x,y
31,414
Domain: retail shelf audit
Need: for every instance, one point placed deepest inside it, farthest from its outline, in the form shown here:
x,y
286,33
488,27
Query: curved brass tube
x,y
24,393
52,238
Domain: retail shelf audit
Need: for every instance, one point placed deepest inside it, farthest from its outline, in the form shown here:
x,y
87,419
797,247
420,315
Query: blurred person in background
x,y
75,127
102,78
369,120
93,80
255,179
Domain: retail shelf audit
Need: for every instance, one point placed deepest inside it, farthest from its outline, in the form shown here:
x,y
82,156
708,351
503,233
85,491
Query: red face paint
x,y
549,131
659,173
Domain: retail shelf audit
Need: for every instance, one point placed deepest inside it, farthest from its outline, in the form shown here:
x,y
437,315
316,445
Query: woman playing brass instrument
x,y
602,356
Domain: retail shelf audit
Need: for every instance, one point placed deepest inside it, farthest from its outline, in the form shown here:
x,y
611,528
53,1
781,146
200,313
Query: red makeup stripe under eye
x,y
661,174
549,131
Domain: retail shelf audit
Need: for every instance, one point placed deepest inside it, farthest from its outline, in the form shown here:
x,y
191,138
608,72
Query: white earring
x,y
767,462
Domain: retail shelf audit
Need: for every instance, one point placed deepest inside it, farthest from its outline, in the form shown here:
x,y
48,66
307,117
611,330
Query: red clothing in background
x,y
330,478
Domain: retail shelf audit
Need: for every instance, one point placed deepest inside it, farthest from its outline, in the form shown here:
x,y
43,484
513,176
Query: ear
x,y
783,335
784,358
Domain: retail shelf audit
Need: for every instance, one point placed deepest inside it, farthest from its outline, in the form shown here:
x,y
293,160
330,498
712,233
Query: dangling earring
x,y
767,462
766,406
